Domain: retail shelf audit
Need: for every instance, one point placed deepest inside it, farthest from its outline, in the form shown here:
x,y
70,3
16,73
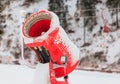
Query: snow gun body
x,y
43,34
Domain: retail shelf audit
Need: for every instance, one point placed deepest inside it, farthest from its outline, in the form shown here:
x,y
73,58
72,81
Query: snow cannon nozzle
x,y
43,34
37,24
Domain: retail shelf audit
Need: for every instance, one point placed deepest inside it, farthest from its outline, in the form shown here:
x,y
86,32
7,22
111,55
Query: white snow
x,y
114,52
84,77
14,74
19,74
71,6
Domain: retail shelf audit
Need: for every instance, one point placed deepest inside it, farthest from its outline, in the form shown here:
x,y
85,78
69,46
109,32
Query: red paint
x,y
106,29
39,27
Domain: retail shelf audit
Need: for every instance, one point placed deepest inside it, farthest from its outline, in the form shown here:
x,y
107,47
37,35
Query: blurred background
x,y
93,25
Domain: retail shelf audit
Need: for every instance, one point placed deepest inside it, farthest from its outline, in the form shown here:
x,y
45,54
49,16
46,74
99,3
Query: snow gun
x,y
43,34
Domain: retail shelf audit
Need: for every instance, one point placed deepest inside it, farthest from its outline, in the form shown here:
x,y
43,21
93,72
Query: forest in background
x,y
79,20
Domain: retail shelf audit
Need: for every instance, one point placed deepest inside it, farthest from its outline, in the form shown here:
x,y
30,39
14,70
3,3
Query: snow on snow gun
x,y
43,34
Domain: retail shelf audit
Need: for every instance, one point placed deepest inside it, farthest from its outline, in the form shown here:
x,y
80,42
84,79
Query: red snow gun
x,y
43,34
105,28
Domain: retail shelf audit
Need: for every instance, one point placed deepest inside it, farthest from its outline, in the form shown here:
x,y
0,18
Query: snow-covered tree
x,y
59,7
115,6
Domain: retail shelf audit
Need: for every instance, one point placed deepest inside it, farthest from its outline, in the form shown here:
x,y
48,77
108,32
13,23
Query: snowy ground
x,y
15,74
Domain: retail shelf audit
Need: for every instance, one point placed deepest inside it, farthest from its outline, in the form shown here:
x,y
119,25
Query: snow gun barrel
x,y
43,34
